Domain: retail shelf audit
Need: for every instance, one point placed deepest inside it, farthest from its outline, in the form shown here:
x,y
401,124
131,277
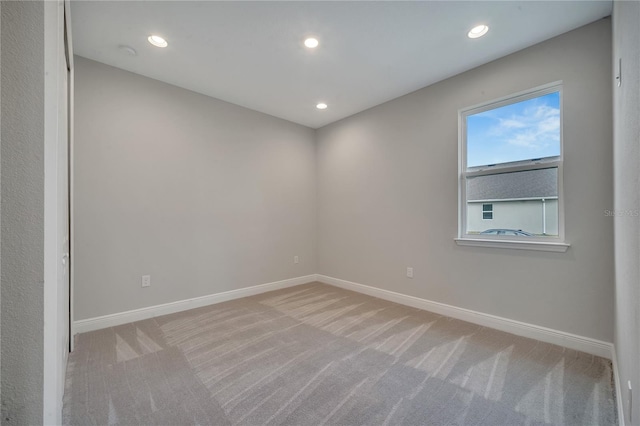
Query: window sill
x,y
518,245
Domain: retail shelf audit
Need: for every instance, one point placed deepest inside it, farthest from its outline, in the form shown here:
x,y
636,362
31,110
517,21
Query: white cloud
x,y
525,139
511,123
535,128
515,132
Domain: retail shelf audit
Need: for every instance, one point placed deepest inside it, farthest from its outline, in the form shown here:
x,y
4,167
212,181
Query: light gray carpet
x,y
315,354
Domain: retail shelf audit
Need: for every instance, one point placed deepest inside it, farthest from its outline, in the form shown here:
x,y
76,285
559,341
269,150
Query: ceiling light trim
x,y
311,42
127,50
157,40
478,31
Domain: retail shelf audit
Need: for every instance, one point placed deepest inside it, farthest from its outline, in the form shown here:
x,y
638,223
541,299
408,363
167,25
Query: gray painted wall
x,y
1,413
388,188
22,221
203,195
626,36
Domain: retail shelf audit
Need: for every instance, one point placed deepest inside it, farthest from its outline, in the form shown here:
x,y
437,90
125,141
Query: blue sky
x,y
521,131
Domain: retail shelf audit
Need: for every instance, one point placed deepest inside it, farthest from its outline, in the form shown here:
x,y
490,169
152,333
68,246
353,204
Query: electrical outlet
x,y
296,259
409,272
146,281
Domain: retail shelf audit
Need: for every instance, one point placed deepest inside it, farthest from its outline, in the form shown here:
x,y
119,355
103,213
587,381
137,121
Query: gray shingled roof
x,y
541,183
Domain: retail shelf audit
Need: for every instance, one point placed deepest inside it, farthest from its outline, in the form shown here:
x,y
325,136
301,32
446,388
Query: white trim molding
x,y
617,387
112,320
465,172
56,233
548,335
512,244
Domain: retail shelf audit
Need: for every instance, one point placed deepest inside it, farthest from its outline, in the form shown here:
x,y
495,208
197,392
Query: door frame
x,y
71,106
57,308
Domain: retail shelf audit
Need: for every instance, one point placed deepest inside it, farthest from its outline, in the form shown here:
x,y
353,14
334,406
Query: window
x,y
511,164
487,211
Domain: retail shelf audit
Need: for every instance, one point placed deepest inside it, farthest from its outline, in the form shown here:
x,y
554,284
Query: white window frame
x,y
487,211
557,244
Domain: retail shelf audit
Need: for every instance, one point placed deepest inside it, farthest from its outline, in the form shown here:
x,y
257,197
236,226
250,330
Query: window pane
x,y
521,131
521,202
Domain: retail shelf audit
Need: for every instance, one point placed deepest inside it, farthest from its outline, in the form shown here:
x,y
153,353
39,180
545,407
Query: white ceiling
x,y
252,53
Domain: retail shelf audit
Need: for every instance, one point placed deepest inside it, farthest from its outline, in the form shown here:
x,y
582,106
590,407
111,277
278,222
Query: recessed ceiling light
x,y
321,105
311,42
128,50
157,41
478,31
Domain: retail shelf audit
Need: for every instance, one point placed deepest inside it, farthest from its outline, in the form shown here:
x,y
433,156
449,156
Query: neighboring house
x,y
526,200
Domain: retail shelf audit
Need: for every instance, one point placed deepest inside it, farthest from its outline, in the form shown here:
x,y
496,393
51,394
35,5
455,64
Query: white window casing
x,y
542,243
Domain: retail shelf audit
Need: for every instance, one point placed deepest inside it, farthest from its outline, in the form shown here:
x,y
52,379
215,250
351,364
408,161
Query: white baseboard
x,y
105,321
618,387
572,341
568,340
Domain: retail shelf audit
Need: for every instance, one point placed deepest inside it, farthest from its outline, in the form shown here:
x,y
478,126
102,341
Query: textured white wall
x,y
388,188
203,195
626,37
22,221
